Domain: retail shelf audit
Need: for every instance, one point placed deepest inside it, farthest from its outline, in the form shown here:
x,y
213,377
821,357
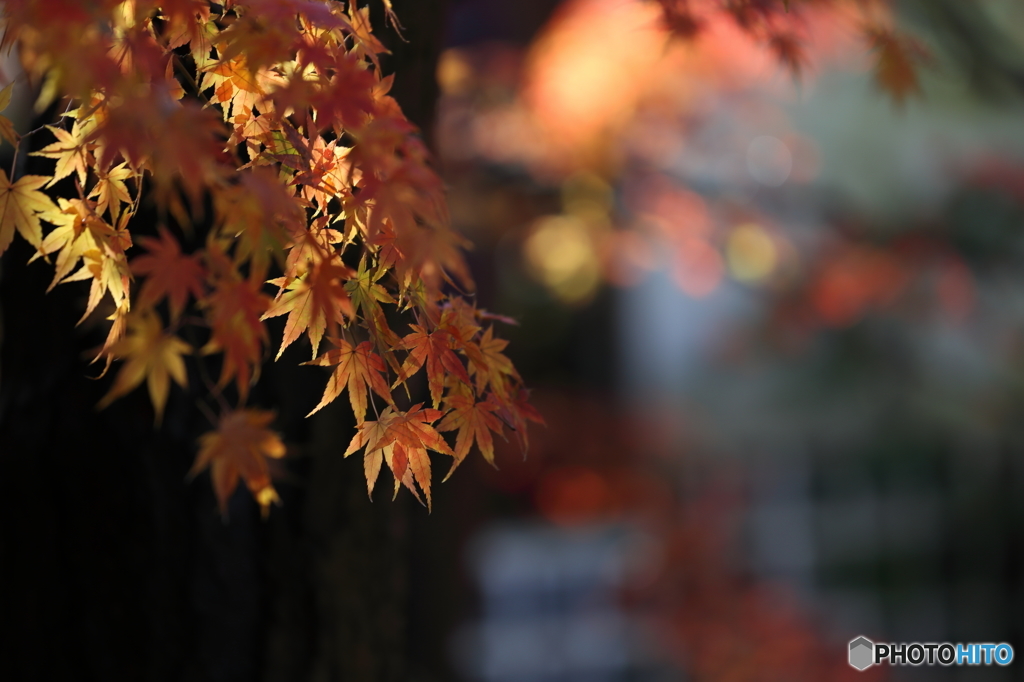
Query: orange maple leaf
x,y
313,303
169,273
359,369
435,350
488,363
234,86
149,354
239,448
402,440
258,214
233,311
185,20
432,254
475,421
329,175
7,130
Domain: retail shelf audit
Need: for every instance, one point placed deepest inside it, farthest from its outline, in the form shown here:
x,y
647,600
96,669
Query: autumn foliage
x,y
266,126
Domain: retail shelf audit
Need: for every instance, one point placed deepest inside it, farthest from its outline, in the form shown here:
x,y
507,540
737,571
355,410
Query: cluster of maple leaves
x,y
275,113
779,24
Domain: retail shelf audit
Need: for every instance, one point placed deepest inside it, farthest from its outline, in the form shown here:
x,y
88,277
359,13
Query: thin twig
x,y
14,157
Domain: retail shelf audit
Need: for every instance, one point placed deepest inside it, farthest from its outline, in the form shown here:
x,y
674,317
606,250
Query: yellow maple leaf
x,y
70,238
102,256
21,204
82,238
70,151
149,354
110,191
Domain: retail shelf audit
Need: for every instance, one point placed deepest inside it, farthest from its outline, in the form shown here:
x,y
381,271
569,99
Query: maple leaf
x,y
515,411
21,206
898,59
345,99
266,31
234,86
358,369
169,273
288,86
7,130
239,448
185,20
367,295
311,246
372,435
117,331
329,175
312,303
366,44
70,151
434,350
233,310
398,186
103,259
82,237
149,354
413,436
402,440
110,191
70,237
475,421
488,363
258,215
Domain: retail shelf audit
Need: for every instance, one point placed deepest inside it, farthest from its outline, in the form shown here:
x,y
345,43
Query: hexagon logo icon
x,y
862,651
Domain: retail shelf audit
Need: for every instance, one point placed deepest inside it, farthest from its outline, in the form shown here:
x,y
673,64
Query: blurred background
x,y
770,303
774,323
